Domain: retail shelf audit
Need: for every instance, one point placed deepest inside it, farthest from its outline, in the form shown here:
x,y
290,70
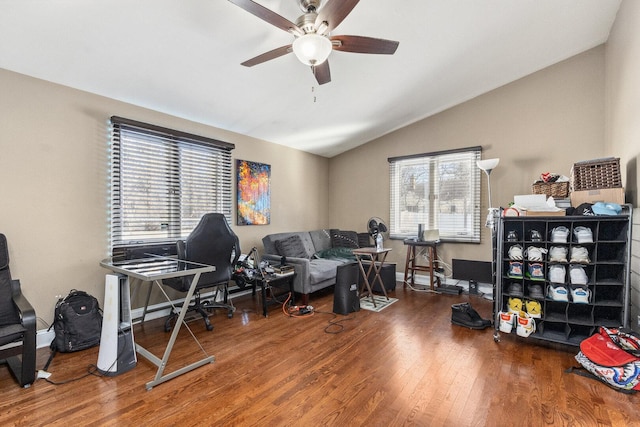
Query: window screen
x,y
440,190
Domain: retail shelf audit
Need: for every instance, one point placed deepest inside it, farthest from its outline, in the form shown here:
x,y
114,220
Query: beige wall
x,y
544,122
623,121
53,202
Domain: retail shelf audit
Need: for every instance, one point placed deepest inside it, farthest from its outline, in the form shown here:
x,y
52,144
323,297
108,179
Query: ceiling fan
x,y
312,43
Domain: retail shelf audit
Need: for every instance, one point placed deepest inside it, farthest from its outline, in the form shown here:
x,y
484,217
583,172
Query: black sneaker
x,y
515,289
465,315
535,291
512,236
535,236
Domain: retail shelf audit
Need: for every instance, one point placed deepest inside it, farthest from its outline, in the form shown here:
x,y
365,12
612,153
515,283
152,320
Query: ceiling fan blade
x,y
268,15
334,12
267,56
360,44
322,72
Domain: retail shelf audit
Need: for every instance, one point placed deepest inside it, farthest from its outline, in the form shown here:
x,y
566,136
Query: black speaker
x,y
345,294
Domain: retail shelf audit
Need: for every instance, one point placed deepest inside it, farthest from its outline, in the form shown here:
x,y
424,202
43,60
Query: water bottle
x,y
378,242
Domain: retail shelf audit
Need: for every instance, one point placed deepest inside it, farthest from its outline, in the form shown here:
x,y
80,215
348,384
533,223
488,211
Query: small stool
x,y
411,265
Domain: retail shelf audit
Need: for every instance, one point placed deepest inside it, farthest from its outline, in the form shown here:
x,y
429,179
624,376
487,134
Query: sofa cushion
x,y
321,269
344,239
291,246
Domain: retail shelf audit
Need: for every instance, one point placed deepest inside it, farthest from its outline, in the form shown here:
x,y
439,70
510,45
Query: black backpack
x,y
77,322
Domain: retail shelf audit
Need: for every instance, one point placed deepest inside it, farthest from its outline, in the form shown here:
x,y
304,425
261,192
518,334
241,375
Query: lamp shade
x,y
312,49
488,165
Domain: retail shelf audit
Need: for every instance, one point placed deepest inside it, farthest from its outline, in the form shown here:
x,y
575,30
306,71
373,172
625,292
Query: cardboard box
x,y
612,195
561,212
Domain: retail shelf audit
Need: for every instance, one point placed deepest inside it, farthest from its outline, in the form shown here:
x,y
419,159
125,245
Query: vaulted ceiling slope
x,y
182,57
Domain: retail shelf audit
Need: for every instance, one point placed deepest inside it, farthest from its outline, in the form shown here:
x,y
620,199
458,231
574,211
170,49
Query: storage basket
x,y
598,173
559,190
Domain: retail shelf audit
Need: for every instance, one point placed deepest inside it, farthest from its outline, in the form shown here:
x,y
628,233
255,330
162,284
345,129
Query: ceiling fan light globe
x,y
312,49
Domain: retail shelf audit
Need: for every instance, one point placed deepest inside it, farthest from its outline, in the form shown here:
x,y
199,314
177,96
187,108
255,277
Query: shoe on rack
x,y
580,254
583,235
512,236
535,291
535,236
525,325
514,305
507,320
578,275
515,252
465,315
560,234
535,253
515,270
558,254
534,309
557,273
535,271
515,289
558,293
580,295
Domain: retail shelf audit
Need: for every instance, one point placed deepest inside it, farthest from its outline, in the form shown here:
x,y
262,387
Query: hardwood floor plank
x,y
407,365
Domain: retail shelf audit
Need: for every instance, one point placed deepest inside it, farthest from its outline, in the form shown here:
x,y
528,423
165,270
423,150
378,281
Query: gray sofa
x,y
315,255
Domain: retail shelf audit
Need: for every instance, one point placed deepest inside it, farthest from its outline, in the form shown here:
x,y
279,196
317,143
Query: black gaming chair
x,y
17,324
212,242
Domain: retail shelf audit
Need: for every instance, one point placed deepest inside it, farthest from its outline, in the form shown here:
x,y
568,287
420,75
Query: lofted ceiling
x,y
182,57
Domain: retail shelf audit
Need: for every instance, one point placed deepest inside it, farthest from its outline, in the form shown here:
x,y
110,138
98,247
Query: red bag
x,y
612,356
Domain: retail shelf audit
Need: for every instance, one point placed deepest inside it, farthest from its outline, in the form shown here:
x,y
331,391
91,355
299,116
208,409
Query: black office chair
x,y
17,324
212,242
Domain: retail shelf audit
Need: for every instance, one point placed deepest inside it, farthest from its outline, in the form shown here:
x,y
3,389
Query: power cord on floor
x,y
297,311
336,323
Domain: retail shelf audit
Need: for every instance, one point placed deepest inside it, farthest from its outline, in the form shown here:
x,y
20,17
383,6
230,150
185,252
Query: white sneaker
x,y
535,253
581,295
558,254
558,293
580,254
560,234
583,234
515,252
577,274
506,321
525,324
557,273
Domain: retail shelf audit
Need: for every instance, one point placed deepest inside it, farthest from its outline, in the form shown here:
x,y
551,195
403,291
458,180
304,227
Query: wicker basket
x,y
598,173
558,190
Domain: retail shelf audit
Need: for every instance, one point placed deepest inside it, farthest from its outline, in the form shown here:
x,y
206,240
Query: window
x,y
163,181
440,190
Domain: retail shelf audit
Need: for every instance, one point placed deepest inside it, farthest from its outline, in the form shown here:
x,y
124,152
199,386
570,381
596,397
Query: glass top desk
x,y
151,270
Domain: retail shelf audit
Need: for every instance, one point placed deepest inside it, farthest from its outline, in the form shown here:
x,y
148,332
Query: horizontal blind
x,y
163,181
440,190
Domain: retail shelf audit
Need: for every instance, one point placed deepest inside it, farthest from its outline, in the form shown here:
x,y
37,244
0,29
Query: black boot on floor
x,y
464,315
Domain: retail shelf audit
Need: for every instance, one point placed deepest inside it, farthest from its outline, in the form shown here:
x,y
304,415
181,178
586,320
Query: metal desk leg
x,y
162,363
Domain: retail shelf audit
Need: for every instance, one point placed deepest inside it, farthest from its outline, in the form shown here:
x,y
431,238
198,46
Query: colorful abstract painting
x,y
254,193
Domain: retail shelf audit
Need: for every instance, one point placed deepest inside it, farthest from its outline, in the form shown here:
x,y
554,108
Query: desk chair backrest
x,y
211,242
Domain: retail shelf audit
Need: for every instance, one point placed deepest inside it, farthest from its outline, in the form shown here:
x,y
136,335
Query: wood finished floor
x,y
406,365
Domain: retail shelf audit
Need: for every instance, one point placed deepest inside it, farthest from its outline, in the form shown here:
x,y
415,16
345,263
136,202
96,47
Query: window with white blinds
x,y
440,190
163,181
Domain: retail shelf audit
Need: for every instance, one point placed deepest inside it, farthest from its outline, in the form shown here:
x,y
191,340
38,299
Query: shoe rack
x,y
608,274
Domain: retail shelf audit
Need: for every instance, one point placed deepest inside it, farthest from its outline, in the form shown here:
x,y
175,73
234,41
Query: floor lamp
x,y
487,166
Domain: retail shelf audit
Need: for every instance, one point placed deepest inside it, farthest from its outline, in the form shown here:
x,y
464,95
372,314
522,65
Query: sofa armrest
x,y
301,283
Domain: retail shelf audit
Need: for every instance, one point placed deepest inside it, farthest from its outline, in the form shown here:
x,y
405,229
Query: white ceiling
x,y
182,57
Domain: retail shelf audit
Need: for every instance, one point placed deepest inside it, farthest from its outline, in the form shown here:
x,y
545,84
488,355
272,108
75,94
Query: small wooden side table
x,y
377,258
411,265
